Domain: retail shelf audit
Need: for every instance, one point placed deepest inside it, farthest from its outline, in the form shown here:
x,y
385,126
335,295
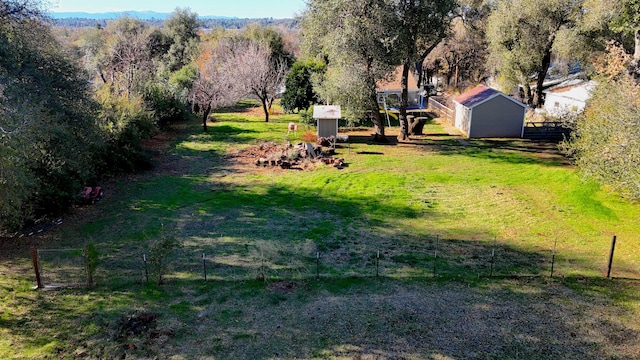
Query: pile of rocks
x,y
288,156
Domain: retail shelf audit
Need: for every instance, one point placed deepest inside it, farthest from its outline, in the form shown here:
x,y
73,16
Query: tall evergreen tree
x,y
299,93
182,30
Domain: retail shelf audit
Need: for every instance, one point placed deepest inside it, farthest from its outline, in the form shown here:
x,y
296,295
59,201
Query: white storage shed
x,y
483,112
327,117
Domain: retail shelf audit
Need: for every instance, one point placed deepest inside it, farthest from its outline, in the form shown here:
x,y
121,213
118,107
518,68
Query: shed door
x,y
327,127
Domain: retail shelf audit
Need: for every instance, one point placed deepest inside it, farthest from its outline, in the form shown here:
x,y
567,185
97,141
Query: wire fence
x,y
442,258
61,267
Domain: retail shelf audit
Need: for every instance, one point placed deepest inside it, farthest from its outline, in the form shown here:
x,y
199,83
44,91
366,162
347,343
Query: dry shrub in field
x,y
309,137
275,258
613,62
159,253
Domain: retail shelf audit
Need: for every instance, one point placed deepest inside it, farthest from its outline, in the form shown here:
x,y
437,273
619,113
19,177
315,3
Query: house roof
x,y
479,95
395,82
574,89
327,112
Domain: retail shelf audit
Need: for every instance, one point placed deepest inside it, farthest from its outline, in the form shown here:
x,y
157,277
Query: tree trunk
x,y
526,89
104,79
205,116
378,124
265,108
546,62
457,74
416,124
404,102
634,69
420,74
636,53
428,77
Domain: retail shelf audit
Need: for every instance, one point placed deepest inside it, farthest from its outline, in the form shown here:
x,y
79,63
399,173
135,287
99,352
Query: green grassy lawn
x,y
267,234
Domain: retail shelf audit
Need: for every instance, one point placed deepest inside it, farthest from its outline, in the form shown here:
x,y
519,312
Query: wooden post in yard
x,y
204,266
553,256
613,247
493,255
36,267
146,270
435,256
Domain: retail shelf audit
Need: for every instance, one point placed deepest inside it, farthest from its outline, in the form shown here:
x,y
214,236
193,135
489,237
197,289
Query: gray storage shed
x,y
327,117
483,112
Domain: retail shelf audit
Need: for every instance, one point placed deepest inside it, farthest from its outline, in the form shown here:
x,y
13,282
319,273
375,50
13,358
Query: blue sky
x,y
235,8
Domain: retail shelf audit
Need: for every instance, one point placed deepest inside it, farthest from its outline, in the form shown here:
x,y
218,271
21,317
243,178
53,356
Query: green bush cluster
x,y
59,132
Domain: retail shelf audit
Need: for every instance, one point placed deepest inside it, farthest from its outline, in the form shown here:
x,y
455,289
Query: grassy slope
x,y
393,199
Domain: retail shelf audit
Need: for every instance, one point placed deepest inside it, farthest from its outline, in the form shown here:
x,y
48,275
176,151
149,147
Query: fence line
x,y
60,267
551,130
440,107
443,258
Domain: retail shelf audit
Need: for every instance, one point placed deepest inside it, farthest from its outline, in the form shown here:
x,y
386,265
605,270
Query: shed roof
x,y
479,95
327,112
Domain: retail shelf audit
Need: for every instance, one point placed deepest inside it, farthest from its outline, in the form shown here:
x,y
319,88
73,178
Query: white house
x,y
568,96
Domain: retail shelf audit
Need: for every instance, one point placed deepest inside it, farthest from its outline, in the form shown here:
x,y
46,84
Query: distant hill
x,y
144,15
83,19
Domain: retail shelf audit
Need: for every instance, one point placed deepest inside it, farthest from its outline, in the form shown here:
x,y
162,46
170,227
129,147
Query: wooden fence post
x,y
435,256
146,270
204,266
36,267
553,255
613,248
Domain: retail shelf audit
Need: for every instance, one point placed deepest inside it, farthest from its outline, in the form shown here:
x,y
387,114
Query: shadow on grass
x,y
222,133
281,234
244,228
509,151
240,107
516,151
369,153
373,317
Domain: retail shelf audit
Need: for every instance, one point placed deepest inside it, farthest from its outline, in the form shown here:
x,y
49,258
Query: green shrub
x,y
299,93
126,123
165,108
306,117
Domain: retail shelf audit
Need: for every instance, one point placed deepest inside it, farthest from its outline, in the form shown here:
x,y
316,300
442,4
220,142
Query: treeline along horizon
x,y
206,23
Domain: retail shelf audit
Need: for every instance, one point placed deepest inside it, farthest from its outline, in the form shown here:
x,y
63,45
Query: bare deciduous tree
x,y
260,74
216,84
128,54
